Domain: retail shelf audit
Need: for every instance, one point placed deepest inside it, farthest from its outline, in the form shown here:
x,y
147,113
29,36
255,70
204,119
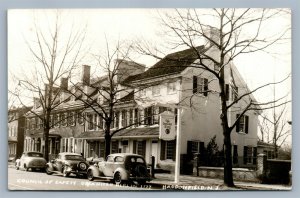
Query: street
x,y
22,180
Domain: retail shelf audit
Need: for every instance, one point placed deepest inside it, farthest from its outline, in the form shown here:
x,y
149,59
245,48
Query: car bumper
x,y
77,172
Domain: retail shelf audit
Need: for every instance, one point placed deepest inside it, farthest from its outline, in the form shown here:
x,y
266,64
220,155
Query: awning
x,y
134,132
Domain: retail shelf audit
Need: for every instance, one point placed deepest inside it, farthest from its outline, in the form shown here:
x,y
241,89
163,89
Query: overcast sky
x,y
129,24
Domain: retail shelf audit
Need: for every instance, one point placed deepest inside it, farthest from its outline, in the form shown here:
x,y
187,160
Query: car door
x,y
108,166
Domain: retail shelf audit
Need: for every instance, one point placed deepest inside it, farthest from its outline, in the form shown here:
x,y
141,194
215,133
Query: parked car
x,y
67,163
31,160
121,167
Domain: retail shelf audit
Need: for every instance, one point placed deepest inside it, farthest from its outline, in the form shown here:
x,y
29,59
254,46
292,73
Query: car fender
x,y
123,172
95,171
50,165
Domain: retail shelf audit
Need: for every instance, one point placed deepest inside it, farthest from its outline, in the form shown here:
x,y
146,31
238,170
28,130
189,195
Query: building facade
x,y
170,86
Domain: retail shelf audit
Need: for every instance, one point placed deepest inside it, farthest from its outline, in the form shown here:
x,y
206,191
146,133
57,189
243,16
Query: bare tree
x,y
226,32
275,128
56,52
104,93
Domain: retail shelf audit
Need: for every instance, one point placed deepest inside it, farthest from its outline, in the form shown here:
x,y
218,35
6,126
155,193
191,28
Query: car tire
x,y
90,175
117,178
48,171
65,173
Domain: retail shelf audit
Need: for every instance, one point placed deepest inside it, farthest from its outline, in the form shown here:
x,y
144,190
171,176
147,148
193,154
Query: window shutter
x,y
189,149
174,150
134,146
235,154
246,124
202,148
195,84
227,92
237,124
144,148
254,155
162,150
205,87
245,154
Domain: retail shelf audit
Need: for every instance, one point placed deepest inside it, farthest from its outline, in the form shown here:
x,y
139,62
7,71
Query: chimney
x,y
214,34
86,72
64,84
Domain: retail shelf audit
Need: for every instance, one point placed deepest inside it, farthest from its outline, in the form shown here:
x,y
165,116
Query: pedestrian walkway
x,y
189,182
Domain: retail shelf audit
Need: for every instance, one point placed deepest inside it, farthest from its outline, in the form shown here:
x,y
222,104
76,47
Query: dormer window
x,y
171,87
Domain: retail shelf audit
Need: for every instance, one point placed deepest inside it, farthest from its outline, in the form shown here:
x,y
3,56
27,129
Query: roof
x,y
69,153
264,144
171,64
125,154
145,131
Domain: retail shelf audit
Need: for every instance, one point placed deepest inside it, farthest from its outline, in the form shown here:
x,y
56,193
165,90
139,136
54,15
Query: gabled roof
x,y
171,64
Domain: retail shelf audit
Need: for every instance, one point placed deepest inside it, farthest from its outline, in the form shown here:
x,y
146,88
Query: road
x,y
22,180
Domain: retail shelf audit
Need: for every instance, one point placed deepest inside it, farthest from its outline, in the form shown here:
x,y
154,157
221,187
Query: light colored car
x,y
67,163
31,160
121,167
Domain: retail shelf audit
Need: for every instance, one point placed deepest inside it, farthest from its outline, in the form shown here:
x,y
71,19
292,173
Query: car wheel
x,y
48,171
117,178
90,175
65,173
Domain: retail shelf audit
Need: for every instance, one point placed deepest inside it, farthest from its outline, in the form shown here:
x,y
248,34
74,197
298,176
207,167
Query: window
x,y
168,149
156,90
130,116
71,119
80,118
136,117
114,147
117,119
148,116
200,85
141,148
55,120
250,154
124,118
171,87
63,119
90,121
243,124
100,122
195,147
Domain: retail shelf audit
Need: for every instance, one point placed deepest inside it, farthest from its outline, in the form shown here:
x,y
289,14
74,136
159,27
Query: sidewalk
x,y
189,182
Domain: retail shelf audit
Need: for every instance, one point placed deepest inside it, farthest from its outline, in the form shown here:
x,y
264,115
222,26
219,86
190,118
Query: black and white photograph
x,y
140,99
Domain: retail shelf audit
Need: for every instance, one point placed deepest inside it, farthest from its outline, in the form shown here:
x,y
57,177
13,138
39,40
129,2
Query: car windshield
x,y
35,154
73,157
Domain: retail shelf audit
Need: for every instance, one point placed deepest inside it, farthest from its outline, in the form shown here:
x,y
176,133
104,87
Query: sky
x,y
127,25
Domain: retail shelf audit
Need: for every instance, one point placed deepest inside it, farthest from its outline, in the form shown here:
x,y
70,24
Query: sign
x,y
167,126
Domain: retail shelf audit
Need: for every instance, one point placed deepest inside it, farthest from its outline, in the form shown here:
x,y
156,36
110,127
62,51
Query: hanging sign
x,y
167,126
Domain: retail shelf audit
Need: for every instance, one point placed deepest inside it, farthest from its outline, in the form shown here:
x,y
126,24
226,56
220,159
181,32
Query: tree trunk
x,y
107,143
46,137
228,177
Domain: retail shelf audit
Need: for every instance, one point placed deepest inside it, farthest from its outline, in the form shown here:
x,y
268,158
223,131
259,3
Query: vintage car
x,y
67,163
120,168
31,160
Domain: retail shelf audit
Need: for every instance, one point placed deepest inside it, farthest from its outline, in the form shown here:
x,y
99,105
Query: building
x,y
169,85
16,129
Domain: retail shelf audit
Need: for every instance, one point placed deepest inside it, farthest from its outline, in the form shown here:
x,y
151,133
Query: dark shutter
x,y
237,126
205,87
144,148
201,148
174,150
162,150
189,149
227,92
246,123
235,154
254,155
245,154
195,84
134,146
